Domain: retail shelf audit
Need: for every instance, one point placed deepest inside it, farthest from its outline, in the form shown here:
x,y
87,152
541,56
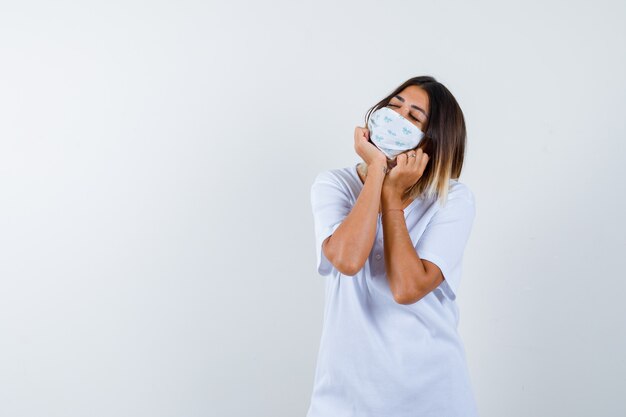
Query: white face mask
x,y
392,133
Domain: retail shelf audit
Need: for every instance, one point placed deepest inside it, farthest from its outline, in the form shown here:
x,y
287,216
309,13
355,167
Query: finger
x,y
409,159
414,158
402,159
423,162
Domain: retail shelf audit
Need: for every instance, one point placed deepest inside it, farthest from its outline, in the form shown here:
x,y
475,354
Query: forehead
x,y
415,95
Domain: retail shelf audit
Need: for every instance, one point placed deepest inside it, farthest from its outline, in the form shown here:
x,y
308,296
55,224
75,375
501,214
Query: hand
x,y
367,150
407,171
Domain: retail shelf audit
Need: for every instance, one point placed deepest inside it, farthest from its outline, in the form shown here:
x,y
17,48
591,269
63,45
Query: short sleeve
x,y
444,240
330,202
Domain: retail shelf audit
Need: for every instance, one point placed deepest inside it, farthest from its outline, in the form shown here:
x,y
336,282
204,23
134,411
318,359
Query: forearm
x,y
352,242
402,264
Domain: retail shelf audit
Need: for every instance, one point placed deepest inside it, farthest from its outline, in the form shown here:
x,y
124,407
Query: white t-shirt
x,y
379,358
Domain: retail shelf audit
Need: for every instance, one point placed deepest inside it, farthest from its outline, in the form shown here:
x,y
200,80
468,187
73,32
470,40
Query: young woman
x,y
390,234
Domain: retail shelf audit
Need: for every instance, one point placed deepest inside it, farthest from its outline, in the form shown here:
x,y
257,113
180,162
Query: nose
x,y
405,111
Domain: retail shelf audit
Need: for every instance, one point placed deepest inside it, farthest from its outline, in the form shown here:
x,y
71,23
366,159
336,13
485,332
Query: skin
x,y
410,278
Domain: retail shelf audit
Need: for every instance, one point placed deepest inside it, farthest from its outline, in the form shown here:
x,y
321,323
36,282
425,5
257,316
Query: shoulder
x,y
460,190
342,177
336,185
460,200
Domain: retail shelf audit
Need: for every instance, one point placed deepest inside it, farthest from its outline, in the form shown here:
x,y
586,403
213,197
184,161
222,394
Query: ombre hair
x,y
444,139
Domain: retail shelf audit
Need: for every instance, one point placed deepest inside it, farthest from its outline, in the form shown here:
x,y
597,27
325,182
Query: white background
x,y
156,237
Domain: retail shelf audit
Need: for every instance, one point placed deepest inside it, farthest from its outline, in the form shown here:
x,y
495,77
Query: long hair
x,y
444,139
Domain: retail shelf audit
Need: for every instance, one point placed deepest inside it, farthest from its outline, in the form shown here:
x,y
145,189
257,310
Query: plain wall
x,y
156,237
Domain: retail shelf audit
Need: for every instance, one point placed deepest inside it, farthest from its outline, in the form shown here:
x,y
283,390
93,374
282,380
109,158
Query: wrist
x,y
378,165
377,169
390,199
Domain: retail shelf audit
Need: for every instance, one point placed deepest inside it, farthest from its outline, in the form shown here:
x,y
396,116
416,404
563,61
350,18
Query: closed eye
x,y
412,117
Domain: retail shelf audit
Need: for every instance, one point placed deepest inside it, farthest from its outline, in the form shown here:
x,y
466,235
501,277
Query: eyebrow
x,y
399,97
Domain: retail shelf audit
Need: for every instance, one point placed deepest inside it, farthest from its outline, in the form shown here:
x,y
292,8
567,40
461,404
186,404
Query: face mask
x,y
392,133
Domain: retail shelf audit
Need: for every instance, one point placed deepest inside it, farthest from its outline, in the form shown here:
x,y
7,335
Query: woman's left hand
x,y
405,173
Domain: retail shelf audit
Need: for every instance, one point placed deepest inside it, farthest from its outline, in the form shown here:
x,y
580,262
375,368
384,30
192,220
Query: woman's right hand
x,y
366,150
